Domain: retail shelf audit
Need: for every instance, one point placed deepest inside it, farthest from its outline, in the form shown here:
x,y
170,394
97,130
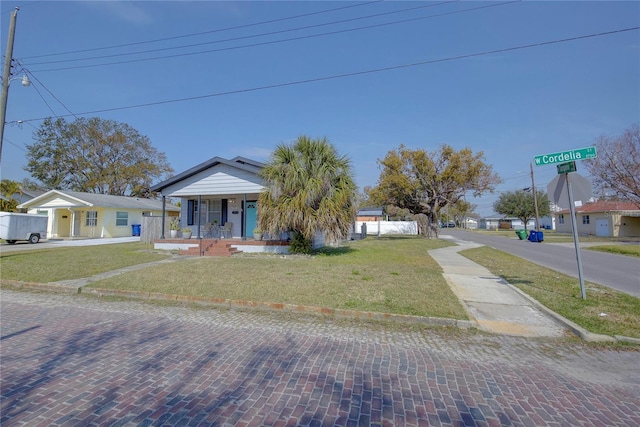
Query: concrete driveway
x,y
61,243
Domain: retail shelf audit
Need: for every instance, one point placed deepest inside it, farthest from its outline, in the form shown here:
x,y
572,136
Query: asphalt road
x,y
618,272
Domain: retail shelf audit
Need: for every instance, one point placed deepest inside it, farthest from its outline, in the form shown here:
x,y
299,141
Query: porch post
x,y
199,212
244,216
164,200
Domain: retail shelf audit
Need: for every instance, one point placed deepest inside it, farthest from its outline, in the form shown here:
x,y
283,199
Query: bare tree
x,y
616,170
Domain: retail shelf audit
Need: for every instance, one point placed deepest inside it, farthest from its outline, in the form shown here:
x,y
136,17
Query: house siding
x,y
619,224
61,222
220,179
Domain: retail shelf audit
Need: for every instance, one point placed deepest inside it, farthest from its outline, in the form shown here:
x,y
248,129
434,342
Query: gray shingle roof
x,y
109,201
122,202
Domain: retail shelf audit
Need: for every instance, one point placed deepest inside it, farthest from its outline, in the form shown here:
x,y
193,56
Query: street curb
x,y
48,287
563,321
270,306
240,304
293,308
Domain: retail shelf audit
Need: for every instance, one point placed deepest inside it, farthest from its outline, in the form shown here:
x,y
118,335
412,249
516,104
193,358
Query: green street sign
x,y
566,167
566,156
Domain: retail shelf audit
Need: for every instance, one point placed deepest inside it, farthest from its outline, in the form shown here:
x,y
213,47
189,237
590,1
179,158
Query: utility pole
x,y
6,74
535,198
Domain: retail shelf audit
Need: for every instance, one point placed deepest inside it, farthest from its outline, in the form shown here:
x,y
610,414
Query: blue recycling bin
x,y
535,236
135,229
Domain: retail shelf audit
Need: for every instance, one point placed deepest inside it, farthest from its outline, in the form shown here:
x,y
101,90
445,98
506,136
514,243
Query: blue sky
x,y
498,77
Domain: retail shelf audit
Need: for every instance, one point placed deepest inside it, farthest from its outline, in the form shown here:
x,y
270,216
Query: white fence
x,y
388,227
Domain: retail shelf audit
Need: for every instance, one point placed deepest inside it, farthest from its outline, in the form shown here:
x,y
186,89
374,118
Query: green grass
x,y
51,265
562,294
630,250
390,274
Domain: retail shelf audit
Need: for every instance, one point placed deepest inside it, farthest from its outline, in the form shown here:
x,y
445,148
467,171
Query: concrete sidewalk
x,y
497,306
493,303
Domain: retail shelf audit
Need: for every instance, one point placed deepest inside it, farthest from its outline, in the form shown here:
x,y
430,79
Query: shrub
x,y
299,245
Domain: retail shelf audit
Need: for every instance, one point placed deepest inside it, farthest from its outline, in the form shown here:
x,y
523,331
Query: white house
x,y
217,191
491,223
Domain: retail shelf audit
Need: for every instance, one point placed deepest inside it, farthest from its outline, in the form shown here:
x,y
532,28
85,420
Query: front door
x,y
251,217
63,227
602,228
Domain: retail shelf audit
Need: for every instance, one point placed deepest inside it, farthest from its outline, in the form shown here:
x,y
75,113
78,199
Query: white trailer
x,y
18,226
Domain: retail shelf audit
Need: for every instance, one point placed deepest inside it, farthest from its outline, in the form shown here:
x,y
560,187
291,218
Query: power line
x,y
15,145
204,32
276,41
38,91
324,24
356,73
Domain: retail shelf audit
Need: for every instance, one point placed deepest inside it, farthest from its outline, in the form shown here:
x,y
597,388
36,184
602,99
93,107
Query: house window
x,y
211,210
585,219
561,219
92,219
122,219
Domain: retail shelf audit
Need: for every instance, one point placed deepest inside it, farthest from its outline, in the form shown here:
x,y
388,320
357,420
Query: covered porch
x,y
218,208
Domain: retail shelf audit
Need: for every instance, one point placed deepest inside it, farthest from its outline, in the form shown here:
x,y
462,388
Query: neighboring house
x,y
217,190
26,195
606,219
78,214
470,223
370,214
491,223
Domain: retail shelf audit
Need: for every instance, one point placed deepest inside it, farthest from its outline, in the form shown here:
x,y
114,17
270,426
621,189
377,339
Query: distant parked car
x,y
450,224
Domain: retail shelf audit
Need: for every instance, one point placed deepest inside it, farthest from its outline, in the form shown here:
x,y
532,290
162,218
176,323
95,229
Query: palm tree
x,y
8,188
309,189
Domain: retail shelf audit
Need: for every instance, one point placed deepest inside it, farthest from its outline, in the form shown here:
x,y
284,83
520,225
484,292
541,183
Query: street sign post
x,y
574,229
565,156
568,164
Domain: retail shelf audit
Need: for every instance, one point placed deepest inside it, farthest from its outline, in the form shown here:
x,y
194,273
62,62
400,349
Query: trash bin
x,y
522,234
533,236
135,229
540,236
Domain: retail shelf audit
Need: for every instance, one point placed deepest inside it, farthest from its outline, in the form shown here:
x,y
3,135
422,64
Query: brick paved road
x,y
69,360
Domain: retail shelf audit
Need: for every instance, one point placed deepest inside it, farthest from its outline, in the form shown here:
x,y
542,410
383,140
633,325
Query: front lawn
x,y
390,274
51,265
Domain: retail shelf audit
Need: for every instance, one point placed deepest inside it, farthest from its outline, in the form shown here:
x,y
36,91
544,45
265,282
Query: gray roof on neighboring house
x,y
237,162
370,212
106,201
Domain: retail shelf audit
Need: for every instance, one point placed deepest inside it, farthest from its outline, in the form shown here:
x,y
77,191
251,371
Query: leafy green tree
x,y
8,189
616,170
96,156
309,189
31,185
520,204
425,182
